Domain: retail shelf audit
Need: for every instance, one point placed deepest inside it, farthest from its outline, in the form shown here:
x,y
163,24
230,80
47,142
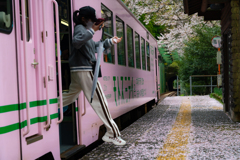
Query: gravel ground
x,y
212,134
144,137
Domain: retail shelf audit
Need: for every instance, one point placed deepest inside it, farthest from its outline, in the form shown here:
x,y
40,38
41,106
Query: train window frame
x,y
132,46
139,49
144,45
9,30
123,41
107,35
148,56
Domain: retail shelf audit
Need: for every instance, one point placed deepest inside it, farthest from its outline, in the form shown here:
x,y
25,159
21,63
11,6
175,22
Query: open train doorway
x,y
67,129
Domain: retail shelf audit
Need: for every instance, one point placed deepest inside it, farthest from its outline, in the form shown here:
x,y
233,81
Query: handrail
x,y
84,106
46,68
25,66
203,76
59,62
79,105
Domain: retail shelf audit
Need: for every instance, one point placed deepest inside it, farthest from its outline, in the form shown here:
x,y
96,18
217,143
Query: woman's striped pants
x,y
83,81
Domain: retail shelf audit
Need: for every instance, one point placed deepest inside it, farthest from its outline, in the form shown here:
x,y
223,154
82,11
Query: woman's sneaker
x,y
117,140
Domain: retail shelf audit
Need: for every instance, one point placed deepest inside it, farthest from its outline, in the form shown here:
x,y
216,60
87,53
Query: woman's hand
x,y
116,40
96,27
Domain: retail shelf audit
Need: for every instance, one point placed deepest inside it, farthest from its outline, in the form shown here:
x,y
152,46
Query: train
x,y
35,43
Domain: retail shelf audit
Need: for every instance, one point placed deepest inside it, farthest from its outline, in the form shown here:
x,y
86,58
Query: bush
x,y
218,91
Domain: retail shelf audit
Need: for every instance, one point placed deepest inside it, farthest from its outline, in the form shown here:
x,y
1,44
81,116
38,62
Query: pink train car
x,y
35,42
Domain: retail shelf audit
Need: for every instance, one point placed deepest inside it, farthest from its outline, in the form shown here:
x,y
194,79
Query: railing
x,y
59,62
24,30
177,87
201,85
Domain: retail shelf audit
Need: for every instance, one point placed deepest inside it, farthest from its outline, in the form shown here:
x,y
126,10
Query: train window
x,y
130,46
6,16
27,19
109,55
148,56
137,50
121,45
143,54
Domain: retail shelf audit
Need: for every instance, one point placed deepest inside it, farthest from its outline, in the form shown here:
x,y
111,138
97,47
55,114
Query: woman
x,y
80,61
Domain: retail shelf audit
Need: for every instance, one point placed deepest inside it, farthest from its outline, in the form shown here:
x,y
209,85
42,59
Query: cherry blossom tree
x,y
169,13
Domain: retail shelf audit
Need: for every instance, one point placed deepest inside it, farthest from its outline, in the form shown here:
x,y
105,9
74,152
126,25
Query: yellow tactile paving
x,y
217,107
175,147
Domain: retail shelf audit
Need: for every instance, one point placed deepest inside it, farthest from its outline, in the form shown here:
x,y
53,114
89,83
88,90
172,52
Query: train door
x,y
37,79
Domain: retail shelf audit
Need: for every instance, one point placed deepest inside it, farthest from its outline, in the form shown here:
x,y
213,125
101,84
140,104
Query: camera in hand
x,y
99,20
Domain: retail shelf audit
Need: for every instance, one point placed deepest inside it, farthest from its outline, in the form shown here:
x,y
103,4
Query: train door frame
x,y
157,74
9,114
73,109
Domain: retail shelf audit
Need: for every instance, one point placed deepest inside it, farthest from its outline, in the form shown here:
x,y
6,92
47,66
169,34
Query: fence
x,y
201,85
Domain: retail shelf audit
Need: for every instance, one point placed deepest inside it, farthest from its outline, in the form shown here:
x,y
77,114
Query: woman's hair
x,y
77,18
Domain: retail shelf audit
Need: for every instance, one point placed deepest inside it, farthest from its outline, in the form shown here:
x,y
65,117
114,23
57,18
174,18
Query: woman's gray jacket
x,y
84,49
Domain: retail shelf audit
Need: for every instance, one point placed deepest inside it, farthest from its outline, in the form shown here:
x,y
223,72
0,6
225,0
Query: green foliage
x,y
154,29
173,68
215,96
218,91
175,84
166,57
199,58
175,56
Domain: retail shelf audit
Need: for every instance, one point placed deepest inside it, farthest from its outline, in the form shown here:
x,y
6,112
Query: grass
x,y
217,94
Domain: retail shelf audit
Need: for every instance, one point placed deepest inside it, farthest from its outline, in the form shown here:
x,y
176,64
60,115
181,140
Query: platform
x,y
193,127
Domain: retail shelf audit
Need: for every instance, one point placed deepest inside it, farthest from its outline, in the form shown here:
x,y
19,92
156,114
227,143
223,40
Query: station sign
x,y
216,41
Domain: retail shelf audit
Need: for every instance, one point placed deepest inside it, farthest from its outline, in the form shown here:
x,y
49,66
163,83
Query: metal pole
x,y
190,85
177,85
211,84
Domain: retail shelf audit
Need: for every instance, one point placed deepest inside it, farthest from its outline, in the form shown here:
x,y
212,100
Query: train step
x,y
70,153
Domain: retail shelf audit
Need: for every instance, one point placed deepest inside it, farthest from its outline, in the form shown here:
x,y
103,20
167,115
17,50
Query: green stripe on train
x,y
23,124
14,107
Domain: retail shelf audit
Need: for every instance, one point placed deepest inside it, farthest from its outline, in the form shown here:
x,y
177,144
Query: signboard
x,y
219,80
219,58
216,42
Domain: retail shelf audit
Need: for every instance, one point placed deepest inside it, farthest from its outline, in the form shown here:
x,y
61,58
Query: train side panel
x,y
9,115
125,88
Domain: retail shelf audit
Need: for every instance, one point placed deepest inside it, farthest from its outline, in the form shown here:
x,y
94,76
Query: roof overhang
x,y
204,8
